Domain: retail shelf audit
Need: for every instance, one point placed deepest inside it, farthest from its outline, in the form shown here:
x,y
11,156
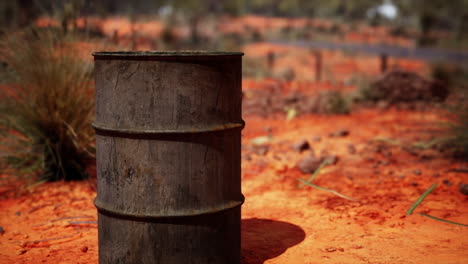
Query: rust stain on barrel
x,y
168,156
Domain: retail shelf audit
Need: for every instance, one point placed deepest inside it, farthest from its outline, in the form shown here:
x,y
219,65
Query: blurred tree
x,y
193,11
19,13
437,14
288,8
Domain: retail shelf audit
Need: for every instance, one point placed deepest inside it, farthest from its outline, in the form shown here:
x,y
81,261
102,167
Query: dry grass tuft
x,y
46,107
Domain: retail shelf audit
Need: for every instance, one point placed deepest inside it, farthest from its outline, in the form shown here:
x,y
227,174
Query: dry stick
x,y
457,170
442,220
410,211
35,208
314,175
327,190
71,217
64,218
83,222
50,239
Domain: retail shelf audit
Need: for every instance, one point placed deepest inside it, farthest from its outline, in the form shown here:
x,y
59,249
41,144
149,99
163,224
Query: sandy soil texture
x,y
282,222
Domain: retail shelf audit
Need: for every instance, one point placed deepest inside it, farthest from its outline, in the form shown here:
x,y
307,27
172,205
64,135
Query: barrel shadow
x,y
264,239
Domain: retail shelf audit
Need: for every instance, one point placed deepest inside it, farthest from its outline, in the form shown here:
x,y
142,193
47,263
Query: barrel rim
x,y
175,53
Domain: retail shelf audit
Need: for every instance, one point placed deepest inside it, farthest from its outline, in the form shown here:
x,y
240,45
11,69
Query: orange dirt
x,y
282,223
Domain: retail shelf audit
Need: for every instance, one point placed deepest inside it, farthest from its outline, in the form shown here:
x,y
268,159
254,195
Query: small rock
x,y
84,249
357,246
414,184
268,129
317,139
18,213
261,150
426,157
401,176
324,152
436,175
331,160
375,166
309,164
383,104
330,249
410,150
387,153
21,251
23,244
340,133
386,162
447,182
351,149
417,172
378,149
248,157
1,230
301,146
464,188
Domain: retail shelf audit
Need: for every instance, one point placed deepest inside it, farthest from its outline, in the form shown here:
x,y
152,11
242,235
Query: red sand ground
x,y
282,223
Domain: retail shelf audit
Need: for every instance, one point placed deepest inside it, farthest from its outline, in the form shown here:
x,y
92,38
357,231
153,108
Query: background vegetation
x,y
46,106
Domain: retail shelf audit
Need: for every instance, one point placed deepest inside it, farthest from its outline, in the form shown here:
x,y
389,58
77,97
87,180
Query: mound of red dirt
x,y
405,86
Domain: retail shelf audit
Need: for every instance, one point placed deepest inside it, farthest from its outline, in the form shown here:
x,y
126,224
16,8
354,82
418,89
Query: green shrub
x,y
47,107
337,103
364,93
254,68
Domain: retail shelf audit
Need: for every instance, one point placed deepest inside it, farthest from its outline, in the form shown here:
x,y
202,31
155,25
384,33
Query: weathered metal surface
x,y
168,156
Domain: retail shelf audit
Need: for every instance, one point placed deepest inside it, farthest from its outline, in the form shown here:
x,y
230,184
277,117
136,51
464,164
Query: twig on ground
x,y
64,218
327,190
71,217
314,175
386,140
461,170
410,211
51,239
35,208
83,222
442,220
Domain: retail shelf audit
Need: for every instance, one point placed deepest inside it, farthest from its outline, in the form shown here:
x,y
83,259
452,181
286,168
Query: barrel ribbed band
x,y
109,209
122,132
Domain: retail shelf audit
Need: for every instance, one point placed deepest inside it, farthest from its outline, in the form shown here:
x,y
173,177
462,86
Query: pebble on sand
x,y
300,146
309,164
21,251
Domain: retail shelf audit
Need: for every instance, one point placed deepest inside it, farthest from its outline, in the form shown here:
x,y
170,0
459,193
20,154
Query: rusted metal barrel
x,y
168,156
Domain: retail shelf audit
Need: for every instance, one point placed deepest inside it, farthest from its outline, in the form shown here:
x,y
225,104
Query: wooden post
x,y
318,66
383,62
271,60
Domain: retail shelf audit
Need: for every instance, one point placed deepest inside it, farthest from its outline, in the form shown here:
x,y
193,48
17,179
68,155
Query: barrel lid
x,y
175,53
